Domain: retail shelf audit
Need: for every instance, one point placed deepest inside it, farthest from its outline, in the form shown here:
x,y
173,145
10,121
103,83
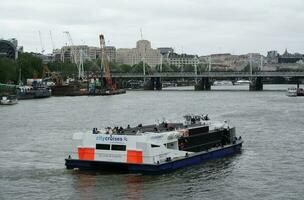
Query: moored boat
x,y
293,92
153,149
8,100
222,83
242,82
112,92
32,92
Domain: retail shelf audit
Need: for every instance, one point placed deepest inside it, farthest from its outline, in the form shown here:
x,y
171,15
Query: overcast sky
x,y
190,26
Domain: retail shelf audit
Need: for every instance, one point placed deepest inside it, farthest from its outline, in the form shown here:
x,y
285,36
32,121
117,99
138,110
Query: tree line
x,y
31,66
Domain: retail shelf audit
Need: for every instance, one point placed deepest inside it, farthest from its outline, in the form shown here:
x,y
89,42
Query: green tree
x,y
114,67
174,68
91,66
8,70
202,68
165,68
30,65
188,68
66,69
138,68
124,68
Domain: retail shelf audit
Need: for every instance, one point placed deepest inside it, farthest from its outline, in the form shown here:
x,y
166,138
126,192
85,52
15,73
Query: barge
x,y
153,149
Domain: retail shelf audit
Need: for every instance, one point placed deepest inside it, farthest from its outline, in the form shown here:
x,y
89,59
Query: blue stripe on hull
x,y
174,165
153,169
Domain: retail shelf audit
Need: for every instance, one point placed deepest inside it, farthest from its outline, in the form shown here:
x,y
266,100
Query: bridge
x,y
299,74
203,78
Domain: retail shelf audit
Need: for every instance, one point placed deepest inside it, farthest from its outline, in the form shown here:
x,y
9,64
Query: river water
x,y
35,137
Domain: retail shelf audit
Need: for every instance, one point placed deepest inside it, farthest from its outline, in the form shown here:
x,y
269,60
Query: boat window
x,y
153,145
116,147
103,146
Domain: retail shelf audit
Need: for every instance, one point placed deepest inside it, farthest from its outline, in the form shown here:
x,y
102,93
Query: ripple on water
x,y
36,137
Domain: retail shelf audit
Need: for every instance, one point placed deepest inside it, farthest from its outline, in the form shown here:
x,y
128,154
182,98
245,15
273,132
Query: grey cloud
x,y
194,26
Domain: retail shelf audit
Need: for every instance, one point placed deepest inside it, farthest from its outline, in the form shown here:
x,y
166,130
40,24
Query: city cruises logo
x,y
111,138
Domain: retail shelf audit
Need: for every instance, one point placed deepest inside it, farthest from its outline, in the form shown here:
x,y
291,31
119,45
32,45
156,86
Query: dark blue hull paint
x,y
154,169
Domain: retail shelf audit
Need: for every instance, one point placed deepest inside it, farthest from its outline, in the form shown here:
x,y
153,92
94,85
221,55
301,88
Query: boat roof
x,y
153,128
156,128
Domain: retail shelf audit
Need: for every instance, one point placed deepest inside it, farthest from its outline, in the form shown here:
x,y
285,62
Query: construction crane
x,y
48,75
53,45
41,44
79,63
109,85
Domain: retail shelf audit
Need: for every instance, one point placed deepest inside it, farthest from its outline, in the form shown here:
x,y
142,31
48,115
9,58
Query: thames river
x,y
35,138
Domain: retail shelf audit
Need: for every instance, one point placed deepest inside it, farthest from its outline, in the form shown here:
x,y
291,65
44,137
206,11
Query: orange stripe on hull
x,y
134,157
86,153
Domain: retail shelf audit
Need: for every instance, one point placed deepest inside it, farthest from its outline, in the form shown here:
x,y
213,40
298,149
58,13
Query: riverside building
x,y
181,60
84,52
142,52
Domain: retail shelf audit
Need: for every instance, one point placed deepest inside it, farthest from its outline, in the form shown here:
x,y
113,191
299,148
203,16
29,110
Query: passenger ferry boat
x,y
153,149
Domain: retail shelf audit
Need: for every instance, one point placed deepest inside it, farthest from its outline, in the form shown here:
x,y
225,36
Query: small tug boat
x,y
153,149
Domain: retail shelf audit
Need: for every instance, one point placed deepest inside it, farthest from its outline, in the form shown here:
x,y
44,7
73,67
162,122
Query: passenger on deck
x,y
192,120
115,129
108,129
139,125
128,126
206,117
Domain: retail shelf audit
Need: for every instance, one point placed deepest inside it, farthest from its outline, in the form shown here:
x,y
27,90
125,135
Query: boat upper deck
x,y
153,128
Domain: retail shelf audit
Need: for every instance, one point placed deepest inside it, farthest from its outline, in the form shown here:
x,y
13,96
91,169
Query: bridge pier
x,y
158,84
203,84
256,84
153,84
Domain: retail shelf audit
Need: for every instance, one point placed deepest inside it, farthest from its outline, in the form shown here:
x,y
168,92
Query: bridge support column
x,y
203,84
149,84
153,84
256,84
158,84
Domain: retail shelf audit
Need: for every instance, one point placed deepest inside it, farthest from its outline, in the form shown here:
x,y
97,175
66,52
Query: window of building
x,y
116,147
103,146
